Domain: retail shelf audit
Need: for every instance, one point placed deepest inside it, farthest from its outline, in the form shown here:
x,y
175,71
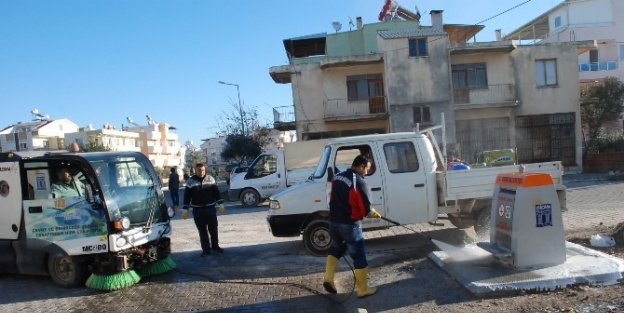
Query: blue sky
x,y
97,62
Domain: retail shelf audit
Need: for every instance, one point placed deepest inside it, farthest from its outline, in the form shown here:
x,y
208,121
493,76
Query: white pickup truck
x,y
275,170
406,185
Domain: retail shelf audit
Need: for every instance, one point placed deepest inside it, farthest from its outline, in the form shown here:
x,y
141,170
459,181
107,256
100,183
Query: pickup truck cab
x,y
275,170
406,185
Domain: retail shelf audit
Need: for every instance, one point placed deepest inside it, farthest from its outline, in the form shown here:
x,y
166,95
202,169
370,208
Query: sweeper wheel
x,y
67,271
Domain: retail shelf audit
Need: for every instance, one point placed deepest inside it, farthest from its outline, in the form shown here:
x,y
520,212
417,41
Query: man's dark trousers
x,y
206,217
175,197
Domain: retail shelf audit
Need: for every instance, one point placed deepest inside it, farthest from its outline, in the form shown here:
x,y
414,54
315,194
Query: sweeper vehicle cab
x,y
99,217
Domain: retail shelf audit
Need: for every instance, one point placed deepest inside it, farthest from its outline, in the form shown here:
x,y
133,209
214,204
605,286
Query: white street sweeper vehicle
x,y
71,215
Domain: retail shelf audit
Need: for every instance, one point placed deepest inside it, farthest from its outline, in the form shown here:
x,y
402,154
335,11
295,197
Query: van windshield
x,y
322,164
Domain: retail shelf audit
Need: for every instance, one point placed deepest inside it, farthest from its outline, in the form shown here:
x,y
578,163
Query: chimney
x,y
436,20
358,22
498,34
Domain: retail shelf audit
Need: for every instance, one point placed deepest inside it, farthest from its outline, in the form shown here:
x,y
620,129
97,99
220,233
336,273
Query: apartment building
x,y
212,148
577,20
398,75
37,135
278,138
107,136
159,143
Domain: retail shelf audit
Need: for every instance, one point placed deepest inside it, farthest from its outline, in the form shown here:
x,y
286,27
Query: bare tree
x,y
245,136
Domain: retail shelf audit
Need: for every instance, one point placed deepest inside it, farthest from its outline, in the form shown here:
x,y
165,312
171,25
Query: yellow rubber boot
x,y
361,280
330,269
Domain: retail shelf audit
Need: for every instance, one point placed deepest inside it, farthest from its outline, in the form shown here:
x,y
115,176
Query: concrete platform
x,y
480,273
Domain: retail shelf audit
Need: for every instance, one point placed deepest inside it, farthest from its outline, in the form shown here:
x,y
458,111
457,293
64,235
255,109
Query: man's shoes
x,y
204,254
218,249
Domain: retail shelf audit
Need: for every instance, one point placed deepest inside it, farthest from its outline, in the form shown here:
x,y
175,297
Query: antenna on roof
x,y
131,121
336,25
150,120
351,23
38,116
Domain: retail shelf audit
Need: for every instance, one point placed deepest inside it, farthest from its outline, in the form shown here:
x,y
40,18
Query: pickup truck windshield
x,y
322,164
130,188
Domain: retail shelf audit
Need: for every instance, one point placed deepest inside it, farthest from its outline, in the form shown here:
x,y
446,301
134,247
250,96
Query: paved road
x,y
260,273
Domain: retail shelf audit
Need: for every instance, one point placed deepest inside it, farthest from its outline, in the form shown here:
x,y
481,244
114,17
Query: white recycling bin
x,y
526,228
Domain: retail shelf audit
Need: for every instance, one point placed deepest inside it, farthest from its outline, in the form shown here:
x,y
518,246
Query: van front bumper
x,y
234,194
286,225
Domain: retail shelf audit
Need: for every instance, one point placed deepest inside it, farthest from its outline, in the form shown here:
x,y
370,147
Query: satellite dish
x,y
336,25
34,111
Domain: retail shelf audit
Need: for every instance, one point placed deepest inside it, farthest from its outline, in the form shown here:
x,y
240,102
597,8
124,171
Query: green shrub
x,y
610,142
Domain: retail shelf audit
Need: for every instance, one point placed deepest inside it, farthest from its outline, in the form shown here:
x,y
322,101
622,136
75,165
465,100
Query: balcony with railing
x,y
598,66
154,149
493,96
284,118
342,110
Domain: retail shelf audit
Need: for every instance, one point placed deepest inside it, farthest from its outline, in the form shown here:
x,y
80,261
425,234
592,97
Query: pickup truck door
x,y
265,174
404,182
374,179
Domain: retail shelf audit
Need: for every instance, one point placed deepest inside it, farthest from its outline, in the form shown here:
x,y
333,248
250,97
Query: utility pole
x,y
240,111
240,106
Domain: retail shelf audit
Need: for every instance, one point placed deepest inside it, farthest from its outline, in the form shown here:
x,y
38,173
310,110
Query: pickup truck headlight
x,y
274,205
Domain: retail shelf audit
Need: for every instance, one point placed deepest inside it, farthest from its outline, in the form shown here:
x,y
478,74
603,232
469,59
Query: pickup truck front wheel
x,y
482,225
249,198
316,238
67,271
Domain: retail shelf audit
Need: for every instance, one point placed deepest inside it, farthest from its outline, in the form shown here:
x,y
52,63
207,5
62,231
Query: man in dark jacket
x,y
174,186
202,194
348,205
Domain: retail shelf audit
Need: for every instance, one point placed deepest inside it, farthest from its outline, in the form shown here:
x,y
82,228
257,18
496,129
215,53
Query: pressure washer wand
x,y
391,221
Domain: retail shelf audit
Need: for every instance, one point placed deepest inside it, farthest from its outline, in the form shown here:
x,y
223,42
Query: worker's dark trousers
x,y
175,196
206,217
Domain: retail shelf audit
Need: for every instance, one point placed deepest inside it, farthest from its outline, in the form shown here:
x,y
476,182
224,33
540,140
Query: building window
x,y
417,47
422,114
557,21
363,87
23,145
593,56
469,76
622,52
546,72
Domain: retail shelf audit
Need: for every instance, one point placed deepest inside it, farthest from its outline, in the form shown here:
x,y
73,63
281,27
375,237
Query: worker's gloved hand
x,y
184,214
221,209
374,214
